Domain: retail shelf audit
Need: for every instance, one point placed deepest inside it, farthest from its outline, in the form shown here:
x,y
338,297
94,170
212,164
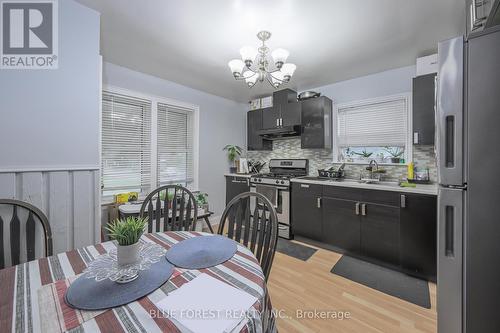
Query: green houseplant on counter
x,y
233,152
396,153
127,233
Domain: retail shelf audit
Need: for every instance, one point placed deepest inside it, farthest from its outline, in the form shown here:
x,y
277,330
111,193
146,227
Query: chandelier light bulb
x,y
236,66
277,78
250,78
280,56
288,69
248,55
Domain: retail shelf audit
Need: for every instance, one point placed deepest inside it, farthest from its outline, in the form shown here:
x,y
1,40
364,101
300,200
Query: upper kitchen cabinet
x,y
284,112
317,123
254,124
423,109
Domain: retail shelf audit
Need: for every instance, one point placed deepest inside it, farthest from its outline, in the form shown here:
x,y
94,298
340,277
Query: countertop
x,y
431,189
240,175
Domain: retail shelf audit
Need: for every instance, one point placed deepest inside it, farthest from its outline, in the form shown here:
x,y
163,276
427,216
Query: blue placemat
x,y
201,252
88,294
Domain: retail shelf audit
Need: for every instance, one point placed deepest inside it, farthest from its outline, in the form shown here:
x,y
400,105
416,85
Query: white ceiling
x,y
191,41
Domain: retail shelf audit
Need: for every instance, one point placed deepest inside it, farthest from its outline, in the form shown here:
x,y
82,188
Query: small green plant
x,y
363,153
202,198
395,152
127,231
232,152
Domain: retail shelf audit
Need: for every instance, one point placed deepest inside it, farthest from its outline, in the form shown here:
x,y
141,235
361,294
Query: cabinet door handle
x,y
363,209
357,208
281,121
415,138
403,201
318,202
277,122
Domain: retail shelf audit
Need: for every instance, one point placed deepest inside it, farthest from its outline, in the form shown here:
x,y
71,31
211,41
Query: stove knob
x,y
282,182
260,180
277,182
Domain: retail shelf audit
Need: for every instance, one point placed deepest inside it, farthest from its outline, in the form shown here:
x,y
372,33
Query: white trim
x,y
154,99
14,169
98,192
409,123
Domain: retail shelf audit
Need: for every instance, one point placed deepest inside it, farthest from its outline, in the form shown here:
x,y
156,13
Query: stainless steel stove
x,y
275,186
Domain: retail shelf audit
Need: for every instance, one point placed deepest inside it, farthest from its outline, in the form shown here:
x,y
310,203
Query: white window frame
x,y
154,130
409,124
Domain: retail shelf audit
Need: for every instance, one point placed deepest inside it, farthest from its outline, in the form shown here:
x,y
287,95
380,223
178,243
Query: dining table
x,y
32,293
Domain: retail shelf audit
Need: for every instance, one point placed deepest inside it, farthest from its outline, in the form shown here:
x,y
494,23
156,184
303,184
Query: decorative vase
x,y
395,160
233,169
128,254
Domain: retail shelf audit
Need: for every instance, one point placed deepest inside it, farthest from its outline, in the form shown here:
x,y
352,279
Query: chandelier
x,y
254,64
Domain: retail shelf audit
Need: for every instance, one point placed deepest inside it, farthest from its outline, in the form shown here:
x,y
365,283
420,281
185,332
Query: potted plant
x,y
363,154
232,153
202,200
127,233
396,153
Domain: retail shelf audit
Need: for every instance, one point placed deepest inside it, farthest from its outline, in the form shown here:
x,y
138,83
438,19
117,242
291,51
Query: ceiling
x,y
191,41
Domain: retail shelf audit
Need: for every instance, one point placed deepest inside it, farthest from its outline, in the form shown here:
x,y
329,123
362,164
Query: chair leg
x,y
207,221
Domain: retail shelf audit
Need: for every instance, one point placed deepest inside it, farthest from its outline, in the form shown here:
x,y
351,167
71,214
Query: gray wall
x,y
221,122
49,133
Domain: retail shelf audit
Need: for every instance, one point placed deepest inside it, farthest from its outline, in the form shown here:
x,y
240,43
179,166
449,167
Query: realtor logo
x,y
29,34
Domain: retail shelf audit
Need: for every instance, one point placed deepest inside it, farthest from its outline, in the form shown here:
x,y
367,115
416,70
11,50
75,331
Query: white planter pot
x,y
128,254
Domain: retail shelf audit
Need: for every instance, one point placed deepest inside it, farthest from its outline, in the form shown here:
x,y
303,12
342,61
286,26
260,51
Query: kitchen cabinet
x,y
386,227
286,111
341,224
306,210
380,232
423,109
236,185
418,228
254,140
316,123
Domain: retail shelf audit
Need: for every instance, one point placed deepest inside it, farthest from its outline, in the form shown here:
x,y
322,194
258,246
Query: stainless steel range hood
x,y
280,132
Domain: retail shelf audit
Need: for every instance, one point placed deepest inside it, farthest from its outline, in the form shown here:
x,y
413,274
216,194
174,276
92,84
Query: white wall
x,y
49,120
391,82
222,122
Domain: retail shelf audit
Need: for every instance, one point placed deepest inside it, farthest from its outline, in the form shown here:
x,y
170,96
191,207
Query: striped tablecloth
x,y
21,286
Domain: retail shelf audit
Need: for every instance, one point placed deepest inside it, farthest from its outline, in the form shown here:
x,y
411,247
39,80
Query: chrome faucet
x,y
370,167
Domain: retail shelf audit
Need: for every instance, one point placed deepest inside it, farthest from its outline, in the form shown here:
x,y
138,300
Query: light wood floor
x,y
309,285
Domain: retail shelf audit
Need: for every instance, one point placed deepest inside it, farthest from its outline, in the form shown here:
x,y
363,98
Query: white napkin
x,y
207,305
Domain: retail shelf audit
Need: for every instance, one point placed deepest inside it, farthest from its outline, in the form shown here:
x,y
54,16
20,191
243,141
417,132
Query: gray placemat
x,y
386,280
201,252
88,294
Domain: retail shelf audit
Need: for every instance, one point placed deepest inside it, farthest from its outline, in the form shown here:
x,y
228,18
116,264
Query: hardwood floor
x,y
309,285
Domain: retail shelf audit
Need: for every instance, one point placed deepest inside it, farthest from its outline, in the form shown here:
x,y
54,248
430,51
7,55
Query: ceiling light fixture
x,y
254,64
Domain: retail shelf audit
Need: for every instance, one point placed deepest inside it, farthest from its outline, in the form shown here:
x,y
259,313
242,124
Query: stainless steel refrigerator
x,y
468,157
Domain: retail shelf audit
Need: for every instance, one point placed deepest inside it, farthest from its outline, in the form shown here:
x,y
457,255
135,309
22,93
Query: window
x,y
175,145
126,144
375,129
139,155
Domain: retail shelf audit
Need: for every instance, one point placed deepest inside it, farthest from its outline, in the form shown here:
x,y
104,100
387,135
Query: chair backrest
x,y
170,208
34,215
251,220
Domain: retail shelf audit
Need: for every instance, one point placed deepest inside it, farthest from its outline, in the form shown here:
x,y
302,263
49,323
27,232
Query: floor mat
x,y
295,250
386,280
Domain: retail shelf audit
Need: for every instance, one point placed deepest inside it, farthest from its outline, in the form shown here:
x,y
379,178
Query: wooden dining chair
x,y
34,215
252,221
170,208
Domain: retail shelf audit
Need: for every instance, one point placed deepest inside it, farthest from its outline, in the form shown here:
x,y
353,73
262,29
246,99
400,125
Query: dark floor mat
x,y
386,280
295,250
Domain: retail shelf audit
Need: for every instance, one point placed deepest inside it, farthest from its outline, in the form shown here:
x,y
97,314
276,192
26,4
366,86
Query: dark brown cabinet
x,y
419,235
306,210
286,111
236,185
254,140
380,232
341,224
423,109
270,117
316,123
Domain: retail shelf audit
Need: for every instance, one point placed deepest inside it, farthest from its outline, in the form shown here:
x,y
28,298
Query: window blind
x,y
175,145
126,143
373,124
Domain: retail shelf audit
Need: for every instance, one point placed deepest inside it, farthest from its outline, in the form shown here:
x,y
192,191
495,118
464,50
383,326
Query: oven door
x,y
282,205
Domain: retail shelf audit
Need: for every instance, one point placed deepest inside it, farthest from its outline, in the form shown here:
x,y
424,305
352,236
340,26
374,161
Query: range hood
x,y
280,132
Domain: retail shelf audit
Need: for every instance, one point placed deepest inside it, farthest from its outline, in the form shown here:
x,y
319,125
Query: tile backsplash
x,y
423,157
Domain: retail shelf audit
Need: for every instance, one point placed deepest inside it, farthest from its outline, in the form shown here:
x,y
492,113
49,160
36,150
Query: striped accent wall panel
x,y
70,199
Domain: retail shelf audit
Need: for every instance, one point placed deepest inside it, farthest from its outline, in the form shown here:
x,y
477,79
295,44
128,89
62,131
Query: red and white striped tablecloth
x,y
19,291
